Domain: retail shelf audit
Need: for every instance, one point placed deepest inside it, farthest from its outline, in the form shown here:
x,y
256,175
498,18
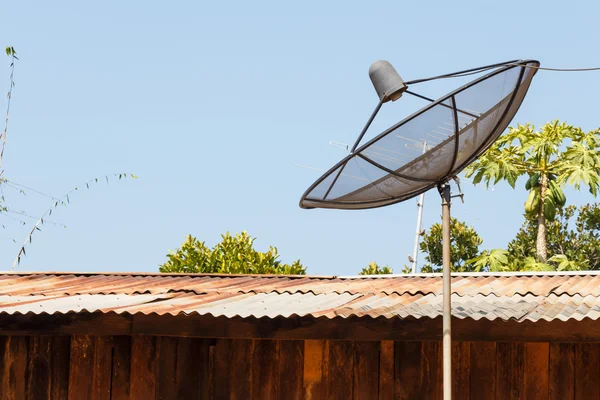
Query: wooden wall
x,y
153,367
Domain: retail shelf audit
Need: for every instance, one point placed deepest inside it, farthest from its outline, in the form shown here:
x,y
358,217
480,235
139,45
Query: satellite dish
x,y
425,150
457,128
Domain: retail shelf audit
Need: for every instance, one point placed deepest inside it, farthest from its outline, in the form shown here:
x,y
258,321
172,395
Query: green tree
x,y
233,255
552,157
498,260
573,239
464,245
573,242
374,269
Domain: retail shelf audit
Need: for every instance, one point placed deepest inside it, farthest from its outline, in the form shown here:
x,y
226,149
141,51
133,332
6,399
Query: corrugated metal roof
x,y
506,297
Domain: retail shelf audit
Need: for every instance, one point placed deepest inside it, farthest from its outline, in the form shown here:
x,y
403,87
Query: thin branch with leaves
x,y
10,51
56,201
61,201
22,188
24,214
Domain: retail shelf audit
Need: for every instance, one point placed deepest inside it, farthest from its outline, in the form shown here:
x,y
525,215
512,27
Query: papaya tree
x,y
550,158
573,239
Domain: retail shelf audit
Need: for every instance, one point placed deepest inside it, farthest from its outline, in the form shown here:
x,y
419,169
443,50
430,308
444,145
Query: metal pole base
x,y
447,291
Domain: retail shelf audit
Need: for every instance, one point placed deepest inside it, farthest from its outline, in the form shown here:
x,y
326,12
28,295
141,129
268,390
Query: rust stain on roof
x,y
506,297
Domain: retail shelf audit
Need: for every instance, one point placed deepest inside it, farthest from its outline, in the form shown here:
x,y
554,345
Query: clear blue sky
x,y
212,103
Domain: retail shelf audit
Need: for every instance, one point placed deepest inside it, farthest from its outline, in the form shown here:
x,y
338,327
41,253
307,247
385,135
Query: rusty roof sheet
x,y
517,297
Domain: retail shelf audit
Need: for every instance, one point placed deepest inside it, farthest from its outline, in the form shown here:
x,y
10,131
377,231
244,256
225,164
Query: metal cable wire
x,y
562,69
483,69
458,74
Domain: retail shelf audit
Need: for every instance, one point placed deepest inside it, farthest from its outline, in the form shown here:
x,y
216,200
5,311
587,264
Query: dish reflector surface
x,y
427,148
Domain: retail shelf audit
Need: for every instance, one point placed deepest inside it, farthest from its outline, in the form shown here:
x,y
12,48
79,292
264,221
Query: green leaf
x,y
531,264
494,260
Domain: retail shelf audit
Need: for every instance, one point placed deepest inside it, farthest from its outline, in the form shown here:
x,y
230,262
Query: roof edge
x,y
479,274
382,276
134,273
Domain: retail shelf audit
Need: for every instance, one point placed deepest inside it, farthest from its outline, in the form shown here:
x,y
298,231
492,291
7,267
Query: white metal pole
x,y
418,233
447,293
419,221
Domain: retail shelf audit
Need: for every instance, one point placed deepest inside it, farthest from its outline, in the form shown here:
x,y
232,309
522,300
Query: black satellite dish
x,y
455,130
451,132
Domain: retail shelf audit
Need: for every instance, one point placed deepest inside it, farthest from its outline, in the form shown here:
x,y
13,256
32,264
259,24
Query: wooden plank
x,y
82,323
407,370
509,371
4,365
82,367
265,370
316,354
386,370
291,369
40,356
19,349
341,366
535,371
143,367
15,368
431,370
60,367
309,328
366,370
302,328
222,362
461,370
242,351
242,354
211,371
587,371
121,365
483,370
561,371
102,368
166,368
48,367
192,371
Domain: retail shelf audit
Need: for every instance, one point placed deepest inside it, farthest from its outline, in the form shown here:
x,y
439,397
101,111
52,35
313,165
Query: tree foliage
x,y
464,244
573,244
573,239
556,155
233,255
374,269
